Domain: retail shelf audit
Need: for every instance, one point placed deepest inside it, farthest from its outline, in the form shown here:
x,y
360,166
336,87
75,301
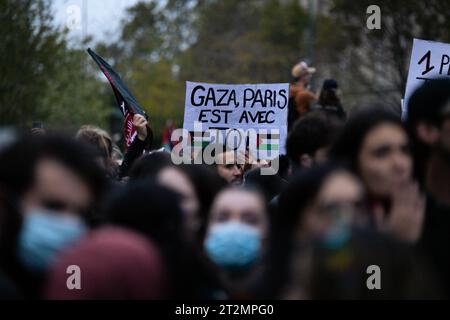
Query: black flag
x,y
126,101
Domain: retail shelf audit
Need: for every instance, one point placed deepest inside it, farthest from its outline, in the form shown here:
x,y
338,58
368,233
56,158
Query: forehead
x,y
238,200
54,180
341,186
176,179
386,132
230,157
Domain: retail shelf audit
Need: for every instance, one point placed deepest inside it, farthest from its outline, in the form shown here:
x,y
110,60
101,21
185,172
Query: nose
x,y
236,170
401,164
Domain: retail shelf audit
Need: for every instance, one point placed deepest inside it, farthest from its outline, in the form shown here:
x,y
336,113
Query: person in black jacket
x,y
429,128
100,139
143,141
329,100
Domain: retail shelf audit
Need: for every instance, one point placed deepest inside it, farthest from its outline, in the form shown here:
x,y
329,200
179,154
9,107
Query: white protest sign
x,y
230,108
429,60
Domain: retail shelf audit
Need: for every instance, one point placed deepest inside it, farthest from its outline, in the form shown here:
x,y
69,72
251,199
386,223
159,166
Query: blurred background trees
x,y
162,44
41,78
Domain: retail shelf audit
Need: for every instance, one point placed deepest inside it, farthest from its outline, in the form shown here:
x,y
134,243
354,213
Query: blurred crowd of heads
x,y
351,192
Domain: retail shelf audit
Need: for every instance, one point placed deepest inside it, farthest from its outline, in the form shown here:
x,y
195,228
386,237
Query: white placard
x,y
429,60
226,107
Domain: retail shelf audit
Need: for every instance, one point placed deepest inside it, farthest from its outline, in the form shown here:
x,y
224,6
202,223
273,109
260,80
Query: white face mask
x,y
44,234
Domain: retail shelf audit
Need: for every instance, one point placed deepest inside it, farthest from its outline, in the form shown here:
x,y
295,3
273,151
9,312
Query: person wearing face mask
x,y
55,185
321,273
320,206
236,237
374,143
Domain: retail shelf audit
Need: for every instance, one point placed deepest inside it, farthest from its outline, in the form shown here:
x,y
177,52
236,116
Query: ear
x,y
306,161
427,133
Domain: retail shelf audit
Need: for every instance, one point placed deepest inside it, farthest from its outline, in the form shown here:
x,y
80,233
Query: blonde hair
x,y
98,138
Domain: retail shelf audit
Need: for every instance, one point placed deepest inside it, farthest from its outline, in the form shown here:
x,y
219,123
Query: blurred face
x,y
229,169
58,189
239,206
321,155
54,211
237,230
176,180
384,160
339,202
444,139
306,79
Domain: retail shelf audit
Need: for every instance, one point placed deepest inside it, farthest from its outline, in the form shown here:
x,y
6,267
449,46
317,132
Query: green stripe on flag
x,y
200,144
268,147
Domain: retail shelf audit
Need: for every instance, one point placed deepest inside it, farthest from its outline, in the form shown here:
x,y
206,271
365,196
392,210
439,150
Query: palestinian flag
x,y
201,139
125,100
268,142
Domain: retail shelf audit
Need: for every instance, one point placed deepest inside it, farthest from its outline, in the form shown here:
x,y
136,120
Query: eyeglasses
x,y
337,208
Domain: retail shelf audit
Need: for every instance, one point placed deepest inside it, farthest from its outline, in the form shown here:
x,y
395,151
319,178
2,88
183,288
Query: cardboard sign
x,y
231,108
429,60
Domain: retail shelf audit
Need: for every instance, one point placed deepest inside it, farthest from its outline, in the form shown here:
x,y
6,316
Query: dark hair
x,y
301,192
97,138
349,143
427,101
17,174
207,184
19,160
425,105
148,208
270,185
310,133
150,165
328,97
155,212
206,181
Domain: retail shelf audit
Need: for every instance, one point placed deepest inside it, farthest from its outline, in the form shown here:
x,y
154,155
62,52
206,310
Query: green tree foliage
x,y
245,41
41,78
144,57
75,95
26,58
162,46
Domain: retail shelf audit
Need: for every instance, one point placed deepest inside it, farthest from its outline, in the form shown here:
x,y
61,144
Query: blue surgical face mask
x,y
233,245
44,234
339,233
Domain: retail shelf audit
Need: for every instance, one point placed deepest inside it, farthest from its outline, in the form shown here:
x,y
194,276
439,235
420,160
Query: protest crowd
x,y
357,193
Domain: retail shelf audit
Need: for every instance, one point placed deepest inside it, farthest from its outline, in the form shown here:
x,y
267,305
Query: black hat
x,y
329,84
